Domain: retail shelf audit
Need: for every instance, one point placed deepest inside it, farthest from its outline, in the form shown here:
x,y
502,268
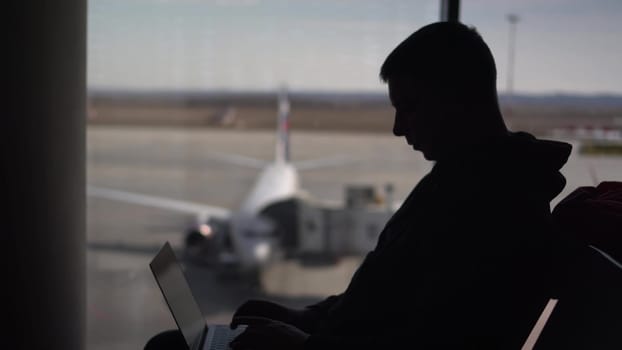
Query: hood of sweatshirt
x,y
518,162
534,163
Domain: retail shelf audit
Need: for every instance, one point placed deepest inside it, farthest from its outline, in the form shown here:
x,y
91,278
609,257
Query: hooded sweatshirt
x,y
463,263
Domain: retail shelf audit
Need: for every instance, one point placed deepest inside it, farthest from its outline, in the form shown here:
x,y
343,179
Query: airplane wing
x,y
202,211
337,160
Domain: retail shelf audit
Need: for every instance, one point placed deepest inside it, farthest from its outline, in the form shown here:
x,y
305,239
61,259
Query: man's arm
x,y
266,334
322,307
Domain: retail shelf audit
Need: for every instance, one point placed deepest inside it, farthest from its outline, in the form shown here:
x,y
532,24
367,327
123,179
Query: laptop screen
x,y
176,290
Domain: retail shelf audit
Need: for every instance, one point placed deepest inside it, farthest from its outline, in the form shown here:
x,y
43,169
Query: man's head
x,y
442,83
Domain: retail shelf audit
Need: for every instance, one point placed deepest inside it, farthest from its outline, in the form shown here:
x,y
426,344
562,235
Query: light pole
x,y
450,10
512,19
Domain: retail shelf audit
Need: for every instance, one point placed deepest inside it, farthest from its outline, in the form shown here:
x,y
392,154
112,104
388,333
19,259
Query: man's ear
x,y
455,100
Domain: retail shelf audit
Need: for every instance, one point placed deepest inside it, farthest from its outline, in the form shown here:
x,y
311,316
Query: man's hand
x,y
266,334
301,319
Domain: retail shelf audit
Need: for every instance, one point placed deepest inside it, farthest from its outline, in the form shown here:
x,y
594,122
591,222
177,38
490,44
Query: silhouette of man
x,y
464,262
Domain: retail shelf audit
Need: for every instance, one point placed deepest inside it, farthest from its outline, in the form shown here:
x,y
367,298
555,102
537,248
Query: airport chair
x,y
588,314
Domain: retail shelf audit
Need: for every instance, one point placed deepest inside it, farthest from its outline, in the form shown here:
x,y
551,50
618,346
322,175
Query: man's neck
x,y
473,145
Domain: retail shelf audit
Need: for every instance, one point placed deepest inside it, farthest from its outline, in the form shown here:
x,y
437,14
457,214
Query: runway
x,y
124,305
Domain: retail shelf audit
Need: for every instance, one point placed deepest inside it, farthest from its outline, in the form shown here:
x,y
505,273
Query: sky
x,y
562,46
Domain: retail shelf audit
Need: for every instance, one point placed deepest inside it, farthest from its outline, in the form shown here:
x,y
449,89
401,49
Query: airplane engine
x,y
206,243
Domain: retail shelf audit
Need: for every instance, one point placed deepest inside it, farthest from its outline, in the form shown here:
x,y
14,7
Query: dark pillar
x,y
450,10
43,174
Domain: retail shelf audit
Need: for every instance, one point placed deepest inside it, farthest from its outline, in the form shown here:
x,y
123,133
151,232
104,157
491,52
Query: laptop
x,y
183,306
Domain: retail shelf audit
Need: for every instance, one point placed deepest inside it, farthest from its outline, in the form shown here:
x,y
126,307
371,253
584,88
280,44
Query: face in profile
x,y
417,117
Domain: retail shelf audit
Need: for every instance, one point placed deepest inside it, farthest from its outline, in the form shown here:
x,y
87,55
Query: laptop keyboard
x,y
223,335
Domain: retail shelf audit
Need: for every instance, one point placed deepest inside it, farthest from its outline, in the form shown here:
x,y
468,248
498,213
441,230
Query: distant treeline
x,y
355,111
336,98
249,98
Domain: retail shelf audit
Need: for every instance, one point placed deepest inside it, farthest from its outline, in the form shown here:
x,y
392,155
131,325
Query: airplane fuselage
x,y
277,181
252,234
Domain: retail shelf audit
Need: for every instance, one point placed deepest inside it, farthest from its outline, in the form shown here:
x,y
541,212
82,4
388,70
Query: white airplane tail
x,y
282,128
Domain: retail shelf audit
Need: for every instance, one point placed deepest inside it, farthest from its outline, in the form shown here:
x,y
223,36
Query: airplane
x,y
257,232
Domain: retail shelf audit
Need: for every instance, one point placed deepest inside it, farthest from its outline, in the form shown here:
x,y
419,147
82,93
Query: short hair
x,y
446,52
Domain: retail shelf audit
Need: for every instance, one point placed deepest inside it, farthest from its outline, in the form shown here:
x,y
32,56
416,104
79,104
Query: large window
x,y
184,100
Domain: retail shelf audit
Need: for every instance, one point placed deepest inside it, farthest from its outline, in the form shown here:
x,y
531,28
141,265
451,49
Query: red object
x,y
593,215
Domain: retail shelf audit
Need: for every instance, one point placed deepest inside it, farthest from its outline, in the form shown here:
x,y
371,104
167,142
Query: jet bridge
x,y
329,229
